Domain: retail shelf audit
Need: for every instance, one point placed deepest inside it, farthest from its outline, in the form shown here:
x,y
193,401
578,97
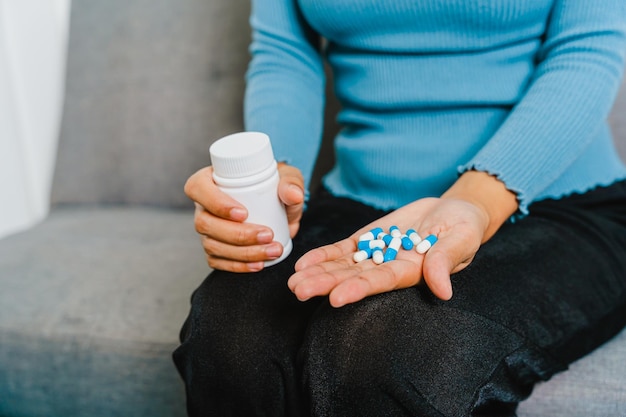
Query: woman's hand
x,y
230,243
467,215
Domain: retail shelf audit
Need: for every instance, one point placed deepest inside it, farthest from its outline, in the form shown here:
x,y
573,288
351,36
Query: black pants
x,y
541,293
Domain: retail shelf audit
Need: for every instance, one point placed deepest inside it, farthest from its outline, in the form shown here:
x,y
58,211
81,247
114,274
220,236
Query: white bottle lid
x,y
241,155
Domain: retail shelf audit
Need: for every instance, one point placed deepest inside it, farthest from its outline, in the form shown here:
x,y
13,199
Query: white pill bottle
x,y
244,168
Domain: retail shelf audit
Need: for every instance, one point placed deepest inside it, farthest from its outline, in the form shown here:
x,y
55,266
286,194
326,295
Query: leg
x,y
540,294
240,340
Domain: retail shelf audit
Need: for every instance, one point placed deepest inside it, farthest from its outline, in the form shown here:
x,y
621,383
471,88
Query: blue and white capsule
x,y
385,238
392,249
371,244
395,231
426,244
371,235
377,256
407,244
414,236
362,255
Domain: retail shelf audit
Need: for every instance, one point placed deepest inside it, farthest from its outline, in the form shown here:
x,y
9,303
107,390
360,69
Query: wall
x,y
33,37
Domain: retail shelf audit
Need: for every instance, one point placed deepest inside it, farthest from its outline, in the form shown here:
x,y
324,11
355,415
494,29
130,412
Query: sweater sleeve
x,y
578,73
285,83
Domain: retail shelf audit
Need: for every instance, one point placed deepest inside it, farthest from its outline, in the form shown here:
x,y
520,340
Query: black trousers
x,y
541,293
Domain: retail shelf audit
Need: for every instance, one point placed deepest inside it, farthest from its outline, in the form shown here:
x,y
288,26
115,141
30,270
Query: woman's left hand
x,y
460,224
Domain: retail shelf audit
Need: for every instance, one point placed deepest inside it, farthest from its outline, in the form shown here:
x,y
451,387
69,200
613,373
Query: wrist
x,y
487,193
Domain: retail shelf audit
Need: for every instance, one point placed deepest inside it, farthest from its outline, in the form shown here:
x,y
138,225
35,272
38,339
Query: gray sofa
x,y
91,299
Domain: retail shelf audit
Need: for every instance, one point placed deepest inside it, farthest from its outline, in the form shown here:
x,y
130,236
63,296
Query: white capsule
x,y
385,238
426,244
371,235
377,256
371,244
392,250
395,231
415,238
361,255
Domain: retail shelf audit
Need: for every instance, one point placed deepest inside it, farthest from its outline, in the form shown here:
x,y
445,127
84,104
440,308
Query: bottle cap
x,y
241,154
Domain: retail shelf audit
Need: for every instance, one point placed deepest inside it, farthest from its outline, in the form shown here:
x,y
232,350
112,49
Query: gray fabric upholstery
x,y
150,84
91,303
92,299
594,386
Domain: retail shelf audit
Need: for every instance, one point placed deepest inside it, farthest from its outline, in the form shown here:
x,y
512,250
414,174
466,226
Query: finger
x,y
293,197
291,185
291,193
201,188
252,253
233,266
376,280
318,269
450,254
326,253
305,287
231,232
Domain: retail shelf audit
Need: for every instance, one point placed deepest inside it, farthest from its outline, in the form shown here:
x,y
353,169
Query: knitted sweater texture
x,y
431,88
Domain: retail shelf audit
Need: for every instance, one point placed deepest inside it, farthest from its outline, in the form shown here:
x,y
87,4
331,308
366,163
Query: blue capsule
x,y
426,244
415,238
386,238
377,256
395,231
371,244
407,243
392,249
371,235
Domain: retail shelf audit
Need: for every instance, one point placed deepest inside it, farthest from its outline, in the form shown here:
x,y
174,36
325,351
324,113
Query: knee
x,y
213,344
228,331
238,346
396,352
354,363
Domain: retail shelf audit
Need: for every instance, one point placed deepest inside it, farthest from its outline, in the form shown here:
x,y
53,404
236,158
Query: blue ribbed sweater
x,y
431,88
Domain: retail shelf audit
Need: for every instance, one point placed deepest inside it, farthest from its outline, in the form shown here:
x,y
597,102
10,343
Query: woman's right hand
x,y
230,243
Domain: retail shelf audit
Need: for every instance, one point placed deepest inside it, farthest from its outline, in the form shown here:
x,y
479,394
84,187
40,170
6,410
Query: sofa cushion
x,y
91,305
150,84
594,386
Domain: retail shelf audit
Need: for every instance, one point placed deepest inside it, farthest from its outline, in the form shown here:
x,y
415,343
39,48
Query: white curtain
x,y
33,39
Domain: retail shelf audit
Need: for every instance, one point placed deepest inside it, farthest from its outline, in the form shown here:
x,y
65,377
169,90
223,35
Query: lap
x,y
541,293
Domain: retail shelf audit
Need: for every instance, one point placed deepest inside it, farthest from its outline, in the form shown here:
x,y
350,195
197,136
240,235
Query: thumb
x,y
446,256
291,185
291,193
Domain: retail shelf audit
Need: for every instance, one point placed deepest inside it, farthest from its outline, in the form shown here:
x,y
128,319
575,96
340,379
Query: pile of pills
x,y
383,247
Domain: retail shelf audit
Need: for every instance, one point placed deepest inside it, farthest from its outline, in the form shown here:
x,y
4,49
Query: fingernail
x,y
295,188
237,213
255,266
264,236
273,251
446,293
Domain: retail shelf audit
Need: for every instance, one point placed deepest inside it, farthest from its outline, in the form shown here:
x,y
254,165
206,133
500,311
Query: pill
x,y
371,244
377,256
371,235
362,255
407,244
426,244
395,231
392,249
415,238
386,238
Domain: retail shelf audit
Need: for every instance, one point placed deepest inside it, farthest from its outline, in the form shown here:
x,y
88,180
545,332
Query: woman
x,y
482,122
